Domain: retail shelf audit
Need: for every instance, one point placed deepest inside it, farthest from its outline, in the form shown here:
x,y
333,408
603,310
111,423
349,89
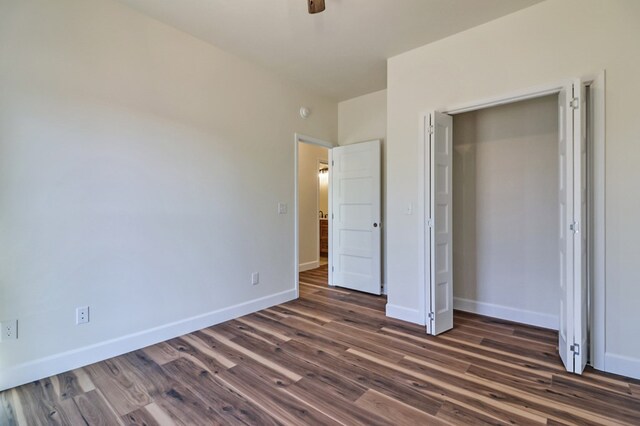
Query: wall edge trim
x,y
538,319
622,364
308,266
76,358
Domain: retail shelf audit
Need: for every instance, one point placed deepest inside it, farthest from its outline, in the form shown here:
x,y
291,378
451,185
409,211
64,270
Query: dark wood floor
x,y
332,357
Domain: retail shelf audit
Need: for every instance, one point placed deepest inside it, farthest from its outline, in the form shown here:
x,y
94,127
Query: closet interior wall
x,y
505,211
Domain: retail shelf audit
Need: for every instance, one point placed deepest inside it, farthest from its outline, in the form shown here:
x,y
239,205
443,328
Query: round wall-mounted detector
x,y
305,112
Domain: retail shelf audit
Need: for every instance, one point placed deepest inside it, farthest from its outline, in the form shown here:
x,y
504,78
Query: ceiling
x,y
341,52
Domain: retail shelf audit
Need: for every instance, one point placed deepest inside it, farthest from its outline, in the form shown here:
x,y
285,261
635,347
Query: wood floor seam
x,y
332,356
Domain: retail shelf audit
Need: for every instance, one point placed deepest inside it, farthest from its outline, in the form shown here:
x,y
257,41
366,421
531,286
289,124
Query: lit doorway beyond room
x,y
352,221
313,206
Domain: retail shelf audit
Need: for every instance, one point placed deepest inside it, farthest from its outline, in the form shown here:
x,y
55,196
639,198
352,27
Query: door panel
x,y
441,200
581,234
565,136
355,223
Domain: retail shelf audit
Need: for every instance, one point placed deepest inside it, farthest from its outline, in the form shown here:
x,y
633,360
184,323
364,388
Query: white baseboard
x,y
65,361
404,314
309,265
507,313
622,364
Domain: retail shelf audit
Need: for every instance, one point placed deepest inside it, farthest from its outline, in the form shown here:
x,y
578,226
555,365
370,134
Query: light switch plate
x,y
282,208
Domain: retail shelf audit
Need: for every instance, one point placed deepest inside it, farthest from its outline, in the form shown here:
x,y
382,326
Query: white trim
x,y
423,215
65,361
298,137
313,141
624,365
309,265
405,314
508,98
598,203
508,313
330,218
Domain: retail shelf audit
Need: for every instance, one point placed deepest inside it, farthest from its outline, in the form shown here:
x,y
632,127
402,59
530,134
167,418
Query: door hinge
x,y
574,226
575,348
430,223
332,269
574,103
431,130
332,216
333,163
431,316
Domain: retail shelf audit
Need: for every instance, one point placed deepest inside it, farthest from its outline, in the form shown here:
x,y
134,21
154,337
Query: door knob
x,y
375,225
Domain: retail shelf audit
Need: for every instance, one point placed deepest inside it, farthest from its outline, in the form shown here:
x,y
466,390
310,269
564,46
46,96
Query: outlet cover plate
x,y
82,315
9,330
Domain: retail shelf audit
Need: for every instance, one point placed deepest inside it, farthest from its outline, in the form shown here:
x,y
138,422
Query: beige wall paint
x,y
543,44
505,210
363,119
308,201
140,171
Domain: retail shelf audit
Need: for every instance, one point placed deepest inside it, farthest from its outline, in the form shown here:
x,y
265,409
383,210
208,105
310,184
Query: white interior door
x,y
581,229
440,297
565,145
572,335
355,220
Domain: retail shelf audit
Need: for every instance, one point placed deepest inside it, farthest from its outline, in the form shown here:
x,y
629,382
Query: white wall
x,y
140,171
543,44
308,203
363,119
505,212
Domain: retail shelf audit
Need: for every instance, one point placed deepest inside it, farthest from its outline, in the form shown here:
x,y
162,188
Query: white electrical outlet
x,y
255,278
9,330
82,315
282,208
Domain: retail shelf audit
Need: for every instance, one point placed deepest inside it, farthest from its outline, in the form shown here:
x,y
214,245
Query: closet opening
x,y
514,214
505,212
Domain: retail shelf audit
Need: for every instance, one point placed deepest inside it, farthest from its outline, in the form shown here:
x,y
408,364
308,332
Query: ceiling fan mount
x,y
315,6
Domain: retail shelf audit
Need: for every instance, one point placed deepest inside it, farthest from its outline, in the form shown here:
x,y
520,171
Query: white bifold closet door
x,y
355,234
440,238
572,335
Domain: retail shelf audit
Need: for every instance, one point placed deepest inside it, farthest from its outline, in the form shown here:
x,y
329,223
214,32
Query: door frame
x,y
299,137
597,205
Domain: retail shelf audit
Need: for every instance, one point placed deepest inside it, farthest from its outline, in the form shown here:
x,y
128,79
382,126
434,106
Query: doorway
x,y
353,218
323,211
580,233
313,205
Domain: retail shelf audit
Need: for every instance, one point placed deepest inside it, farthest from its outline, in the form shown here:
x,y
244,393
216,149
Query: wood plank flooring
x,y
332,357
